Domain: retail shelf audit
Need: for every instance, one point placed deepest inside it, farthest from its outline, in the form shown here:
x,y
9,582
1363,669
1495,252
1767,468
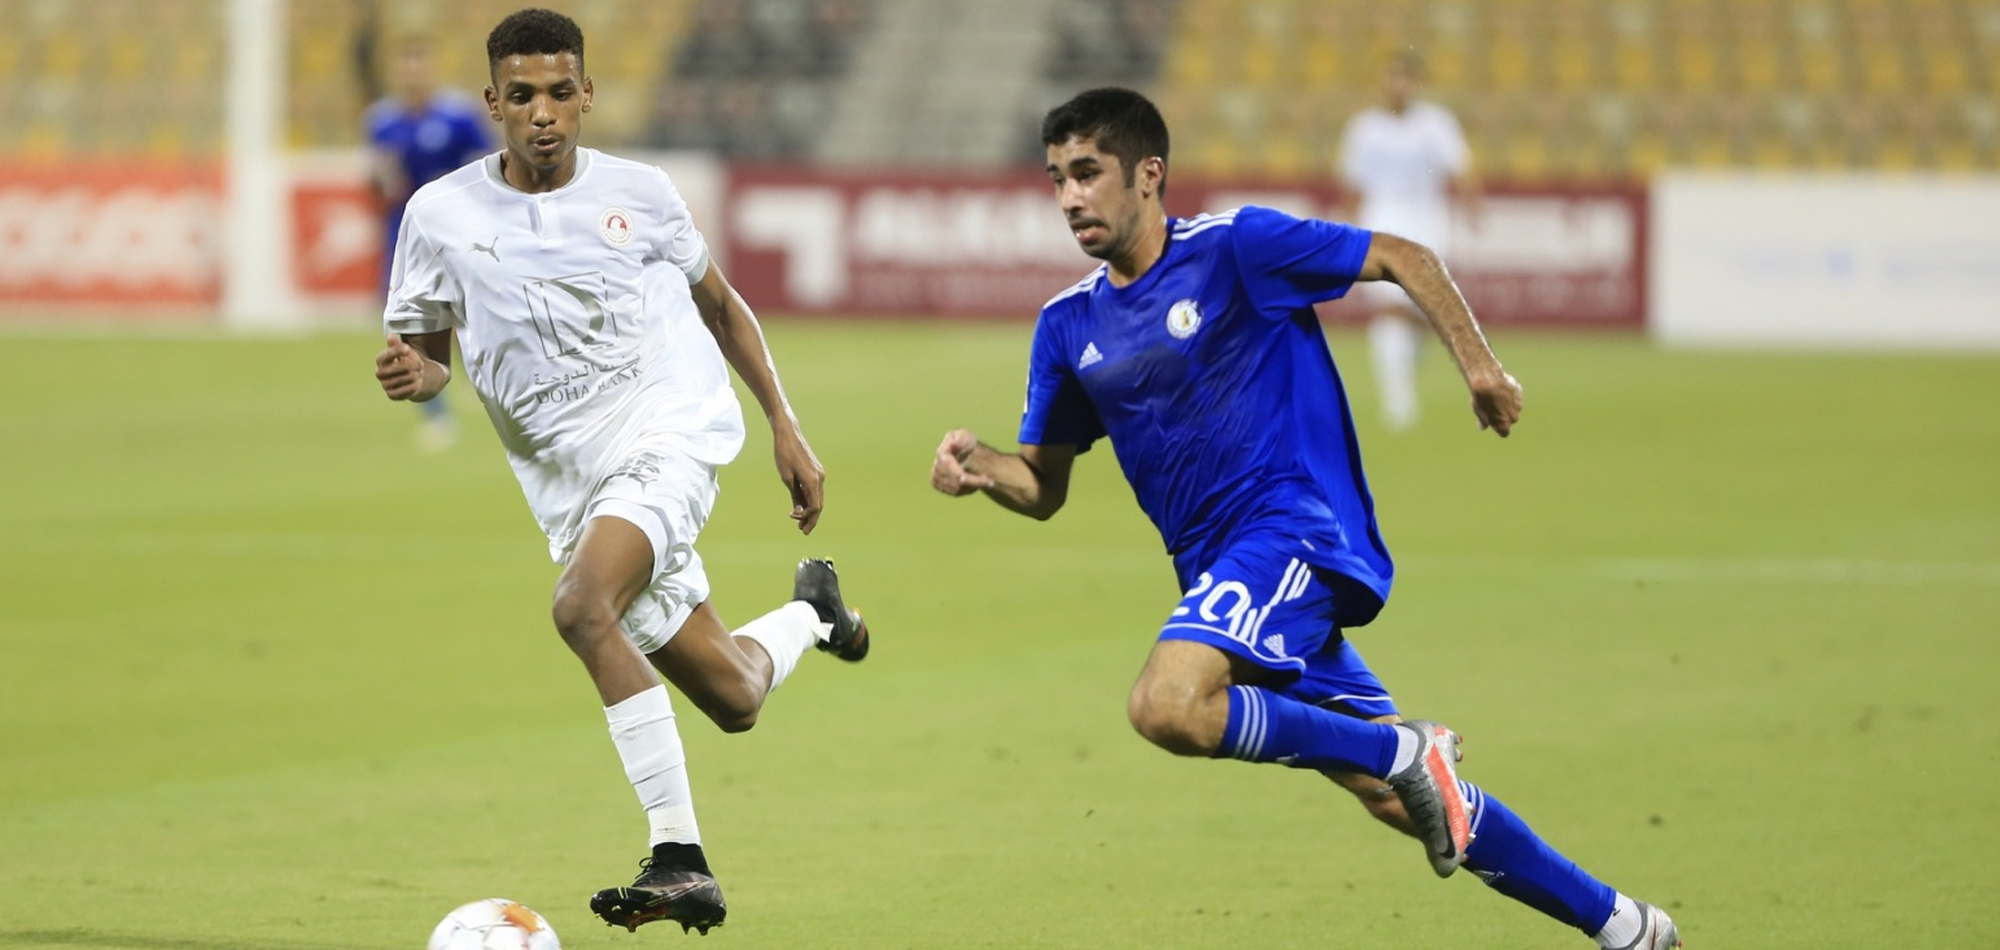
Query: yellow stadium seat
x,y
1527,156
1192,63
1259,61
1509,64
1571,65
1946,72
1958,156
125,56
1882,70
1633,66
1759,68
1819,68
1698,63
1447,67
1770,151
1321,64
1287,159
192,62
63,56
1217,155
1896,154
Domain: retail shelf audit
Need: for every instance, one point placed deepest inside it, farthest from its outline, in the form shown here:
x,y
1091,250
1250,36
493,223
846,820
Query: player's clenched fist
x,y
951,472
400,369
1496,400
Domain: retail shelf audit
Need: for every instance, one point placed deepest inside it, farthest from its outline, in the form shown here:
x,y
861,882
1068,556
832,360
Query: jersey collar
x,y
584,159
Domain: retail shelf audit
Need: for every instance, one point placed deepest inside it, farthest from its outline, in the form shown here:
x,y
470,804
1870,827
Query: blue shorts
x,y
1262,603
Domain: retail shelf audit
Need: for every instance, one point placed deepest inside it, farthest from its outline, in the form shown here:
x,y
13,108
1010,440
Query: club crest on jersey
x,y
1183,319
616,226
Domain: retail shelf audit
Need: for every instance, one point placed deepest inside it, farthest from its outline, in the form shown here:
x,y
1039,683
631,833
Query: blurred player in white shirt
x,y
577,285
1405,161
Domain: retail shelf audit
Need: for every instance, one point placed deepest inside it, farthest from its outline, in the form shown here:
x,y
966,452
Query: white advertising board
x,y
1855,261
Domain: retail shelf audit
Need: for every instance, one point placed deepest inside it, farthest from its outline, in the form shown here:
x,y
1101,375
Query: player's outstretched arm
x,y
742,342
1033,482
1496,396
414,373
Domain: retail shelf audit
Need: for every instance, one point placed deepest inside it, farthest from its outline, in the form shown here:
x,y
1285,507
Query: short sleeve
x,y
679,243
1288,263
1058,411
423,296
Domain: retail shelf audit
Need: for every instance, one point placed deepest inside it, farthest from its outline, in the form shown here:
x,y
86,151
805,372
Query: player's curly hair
x,y
534,31
1121,122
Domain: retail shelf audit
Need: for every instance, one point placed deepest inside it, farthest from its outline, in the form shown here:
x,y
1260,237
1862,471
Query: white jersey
x,y
574,320
1403,165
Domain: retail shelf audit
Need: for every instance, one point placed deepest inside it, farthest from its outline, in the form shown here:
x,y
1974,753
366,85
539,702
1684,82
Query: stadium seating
x,y
753,79
1581,90
1547,89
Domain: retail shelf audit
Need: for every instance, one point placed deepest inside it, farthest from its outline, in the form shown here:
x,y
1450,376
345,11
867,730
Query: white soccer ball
x,y
494,924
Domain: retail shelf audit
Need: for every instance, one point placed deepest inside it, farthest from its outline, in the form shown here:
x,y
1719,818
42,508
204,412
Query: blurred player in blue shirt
x,y
416,134
1194,348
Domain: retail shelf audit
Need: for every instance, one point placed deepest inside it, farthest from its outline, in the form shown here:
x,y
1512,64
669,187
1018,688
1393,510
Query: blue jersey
x,y
448,133
1212,379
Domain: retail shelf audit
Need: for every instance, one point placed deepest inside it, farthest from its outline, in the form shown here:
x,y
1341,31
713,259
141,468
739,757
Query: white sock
x,y
642,727
1406,750
1393,343
786,634
1623,927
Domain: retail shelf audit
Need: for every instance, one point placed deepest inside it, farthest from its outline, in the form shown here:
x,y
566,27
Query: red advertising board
x,y
943,244
337,243
144,241
993,245
111,235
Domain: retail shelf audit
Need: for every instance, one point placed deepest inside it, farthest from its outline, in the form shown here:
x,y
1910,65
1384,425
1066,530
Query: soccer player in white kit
x,y
1405,160
577,285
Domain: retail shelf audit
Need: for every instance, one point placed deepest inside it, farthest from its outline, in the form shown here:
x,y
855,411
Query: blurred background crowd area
x,y
1548,90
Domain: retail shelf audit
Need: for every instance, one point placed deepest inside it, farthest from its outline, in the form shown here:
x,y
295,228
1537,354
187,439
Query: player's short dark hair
x,y
1121,122
534,31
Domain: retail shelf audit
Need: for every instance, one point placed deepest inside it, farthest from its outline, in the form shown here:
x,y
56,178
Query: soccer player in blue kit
x,y
417,134
1194,348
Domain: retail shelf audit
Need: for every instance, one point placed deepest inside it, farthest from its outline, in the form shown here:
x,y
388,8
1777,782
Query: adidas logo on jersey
x,y
1090,356
1275,643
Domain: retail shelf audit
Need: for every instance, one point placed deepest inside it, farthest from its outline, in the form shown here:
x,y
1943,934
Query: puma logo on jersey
x,y
1090,356
489,248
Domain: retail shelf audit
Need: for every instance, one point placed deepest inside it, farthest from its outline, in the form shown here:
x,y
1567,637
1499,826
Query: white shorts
x,y
668,496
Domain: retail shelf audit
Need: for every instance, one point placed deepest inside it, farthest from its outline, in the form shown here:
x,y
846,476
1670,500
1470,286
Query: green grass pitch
x,y
1723,627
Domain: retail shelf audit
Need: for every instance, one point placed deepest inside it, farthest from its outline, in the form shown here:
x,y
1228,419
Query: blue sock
x,y
434,409
1267,727
1513,860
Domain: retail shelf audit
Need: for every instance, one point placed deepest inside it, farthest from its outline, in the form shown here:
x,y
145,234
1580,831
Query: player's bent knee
x,y
733,722
1170,723
581,616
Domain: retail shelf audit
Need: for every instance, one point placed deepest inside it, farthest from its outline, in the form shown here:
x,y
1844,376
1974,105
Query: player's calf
x,y
1378,798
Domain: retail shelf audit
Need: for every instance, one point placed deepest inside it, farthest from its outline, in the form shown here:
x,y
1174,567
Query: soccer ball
x,y
494,924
